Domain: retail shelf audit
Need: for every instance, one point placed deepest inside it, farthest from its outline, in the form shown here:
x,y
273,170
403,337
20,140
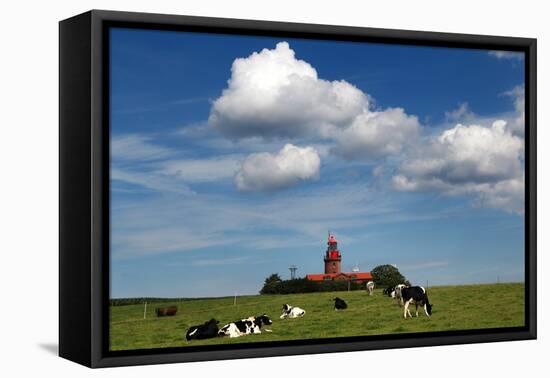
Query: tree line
x,y
382,276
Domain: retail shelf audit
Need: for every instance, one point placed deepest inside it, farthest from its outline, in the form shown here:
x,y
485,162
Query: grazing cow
x,y
208,330
166,311
418,296
292,312
370,287
339,304
245,326
389,291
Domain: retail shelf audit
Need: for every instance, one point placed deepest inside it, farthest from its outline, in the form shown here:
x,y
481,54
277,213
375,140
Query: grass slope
x,y
455,308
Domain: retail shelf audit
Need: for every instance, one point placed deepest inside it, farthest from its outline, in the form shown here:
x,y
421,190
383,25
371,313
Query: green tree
x,y
387,276
272,284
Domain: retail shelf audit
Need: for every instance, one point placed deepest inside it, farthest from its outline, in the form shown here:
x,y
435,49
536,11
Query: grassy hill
x,y
455,308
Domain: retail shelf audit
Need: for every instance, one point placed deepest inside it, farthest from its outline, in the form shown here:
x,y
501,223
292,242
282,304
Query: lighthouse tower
x,y
333,258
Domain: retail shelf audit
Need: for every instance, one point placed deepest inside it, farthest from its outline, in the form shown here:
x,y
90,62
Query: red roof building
x,y
333,261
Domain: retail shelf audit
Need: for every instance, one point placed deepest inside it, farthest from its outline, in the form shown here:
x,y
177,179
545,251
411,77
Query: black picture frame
x,y
84,187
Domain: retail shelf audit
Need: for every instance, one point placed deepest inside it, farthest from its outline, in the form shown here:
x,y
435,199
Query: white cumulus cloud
x,y
376,134
272,94
517,125
266,172
486,162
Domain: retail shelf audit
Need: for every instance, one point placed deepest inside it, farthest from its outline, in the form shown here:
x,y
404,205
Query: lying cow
x,y
166,311
245,326
370,287
388,291
339,304
292,312
208,330
418,296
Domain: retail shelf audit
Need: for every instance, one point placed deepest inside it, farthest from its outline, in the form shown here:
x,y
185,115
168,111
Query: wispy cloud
x,y
136,147
460,114
425,265
160,106
148,180
501,54
202,170
178,224
225,261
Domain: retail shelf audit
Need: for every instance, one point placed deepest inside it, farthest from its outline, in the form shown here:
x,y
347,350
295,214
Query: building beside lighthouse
x,y
333,266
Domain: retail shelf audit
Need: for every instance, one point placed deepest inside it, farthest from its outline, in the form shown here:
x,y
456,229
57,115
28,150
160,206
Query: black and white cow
x,y
370,287
243,327
292,312
339,304
388,291
418,296
208,330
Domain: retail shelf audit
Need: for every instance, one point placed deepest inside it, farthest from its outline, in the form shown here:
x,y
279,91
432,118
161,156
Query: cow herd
x,y
405,296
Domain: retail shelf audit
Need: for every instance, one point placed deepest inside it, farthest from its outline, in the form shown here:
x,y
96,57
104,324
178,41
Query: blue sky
x,y
232,156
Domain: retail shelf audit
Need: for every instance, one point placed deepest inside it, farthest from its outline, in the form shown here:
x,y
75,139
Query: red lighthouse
x,y
333,270
333,258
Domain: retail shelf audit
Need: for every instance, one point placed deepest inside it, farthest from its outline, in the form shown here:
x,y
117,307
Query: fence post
x,y
145,310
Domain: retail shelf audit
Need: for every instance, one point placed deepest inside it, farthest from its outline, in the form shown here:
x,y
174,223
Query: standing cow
x,y
370,287
418,296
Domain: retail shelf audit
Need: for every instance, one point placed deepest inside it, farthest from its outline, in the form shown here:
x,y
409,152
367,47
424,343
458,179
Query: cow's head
x,y
429,309
263,319
286,307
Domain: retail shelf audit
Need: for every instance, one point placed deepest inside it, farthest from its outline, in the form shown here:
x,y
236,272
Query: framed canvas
x,y
234,188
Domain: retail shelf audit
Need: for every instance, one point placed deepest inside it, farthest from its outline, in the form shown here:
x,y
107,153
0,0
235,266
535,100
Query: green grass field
x,y
455,308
